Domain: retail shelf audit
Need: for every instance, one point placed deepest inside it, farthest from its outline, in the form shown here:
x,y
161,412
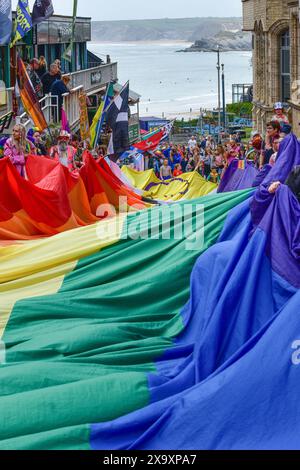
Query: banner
x,y
29,98
42,10
23,22
84,118
67,55
5,22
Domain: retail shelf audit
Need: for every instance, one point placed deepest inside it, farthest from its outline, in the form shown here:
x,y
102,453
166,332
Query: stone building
x,y
276,57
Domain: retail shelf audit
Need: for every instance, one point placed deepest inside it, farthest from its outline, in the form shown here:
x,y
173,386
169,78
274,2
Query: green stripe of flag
x,y
82,355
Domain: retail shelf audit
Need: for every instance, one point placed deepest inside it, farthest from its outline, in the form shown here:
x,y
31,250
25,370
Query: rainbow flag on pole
x,y
29,98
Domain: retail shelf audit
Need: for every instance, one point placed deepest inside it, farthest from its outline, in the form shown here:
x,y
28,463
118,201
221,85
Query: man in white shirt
x,y
192,144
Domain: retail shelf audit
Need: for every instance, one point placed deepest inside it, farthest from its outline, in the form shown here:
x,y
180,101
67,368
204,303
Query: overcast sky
x,y
140,9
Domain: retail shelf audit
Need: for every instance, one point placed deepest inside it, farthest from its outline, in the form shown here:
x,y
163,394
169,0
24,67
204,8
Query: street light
x,y
224,99
219,91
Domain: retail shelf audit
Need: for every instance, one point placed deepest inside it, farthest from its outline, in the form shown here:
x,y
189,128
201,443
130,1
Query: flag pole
x,y
51,136
101,119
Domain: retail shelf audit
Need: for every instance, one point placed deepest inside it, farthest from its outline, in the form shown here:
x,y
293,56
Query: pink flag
x,y
64,122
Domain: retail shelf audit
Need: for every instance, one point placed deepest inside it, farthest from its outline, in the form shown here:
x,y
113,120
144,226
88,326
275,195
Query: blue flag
x,y
230,380
5,22
23,22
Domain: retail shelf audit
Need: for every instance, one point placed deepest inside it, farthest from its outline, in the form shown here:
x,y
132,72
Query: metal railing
x,y
50,108
6,101
72,107
49,105
94,78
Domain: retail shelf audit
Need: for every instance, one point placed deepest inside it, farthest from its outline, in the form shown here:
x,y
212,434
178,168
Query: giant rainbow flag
x,y
53,200
186,186
132,333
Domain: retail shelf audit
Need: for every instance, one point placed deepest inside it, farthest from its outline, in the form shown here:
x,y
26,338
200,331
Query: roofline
x,y
66,16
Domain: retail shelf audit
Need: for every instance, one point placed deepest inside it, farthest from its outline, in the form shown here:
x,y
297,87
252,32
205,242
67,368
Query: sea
x,y
175,84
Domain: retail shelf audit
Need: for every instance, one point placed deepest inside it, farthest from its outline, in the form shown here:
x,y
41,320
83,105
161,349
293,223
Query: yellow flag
x,y
95,122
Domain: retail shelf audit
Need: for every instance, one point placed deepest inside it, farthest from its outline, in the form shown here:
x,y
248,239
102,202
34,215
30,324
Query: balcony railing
x,y
49,105
95,78
72,107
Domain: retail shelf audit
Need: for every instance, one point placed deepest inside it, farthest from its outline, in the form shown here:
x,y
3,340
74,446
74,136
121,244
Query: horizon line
x,y
171,18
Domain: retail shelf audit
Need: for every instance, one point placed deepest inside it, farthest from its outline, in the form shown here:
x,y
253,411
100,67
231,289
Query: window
x,y
285,66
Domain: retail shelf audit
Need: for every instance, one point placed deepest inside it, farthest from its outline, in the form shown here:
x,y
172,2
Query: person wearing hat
x,y
279,115
63,152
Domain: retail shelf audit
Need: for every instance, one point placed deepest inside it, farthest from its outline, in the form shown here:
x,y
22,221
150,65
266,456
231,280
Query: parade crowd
x,y
203,155
211,158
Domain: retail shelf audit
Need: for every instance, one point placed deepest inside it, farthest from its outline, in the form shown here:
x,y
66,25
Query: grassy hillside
x,y
186,29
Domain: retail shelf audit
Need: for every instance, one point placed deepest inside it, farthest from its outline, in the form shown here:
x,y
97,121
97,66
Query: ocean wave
x,y
184,98
145,103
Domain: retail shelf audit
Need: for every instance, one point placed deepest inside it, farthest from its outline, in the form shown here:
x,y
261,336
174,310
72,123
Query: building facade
x,y
50,39
276,58
88,73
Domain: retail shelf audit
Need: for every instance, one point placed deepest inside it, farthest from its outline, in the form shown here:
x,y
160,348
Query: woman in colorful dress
x,y
17,148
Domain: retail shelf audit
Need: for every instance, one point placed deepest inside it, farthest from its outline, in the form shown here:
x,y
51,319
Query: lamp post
x,y
224,98
219,91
